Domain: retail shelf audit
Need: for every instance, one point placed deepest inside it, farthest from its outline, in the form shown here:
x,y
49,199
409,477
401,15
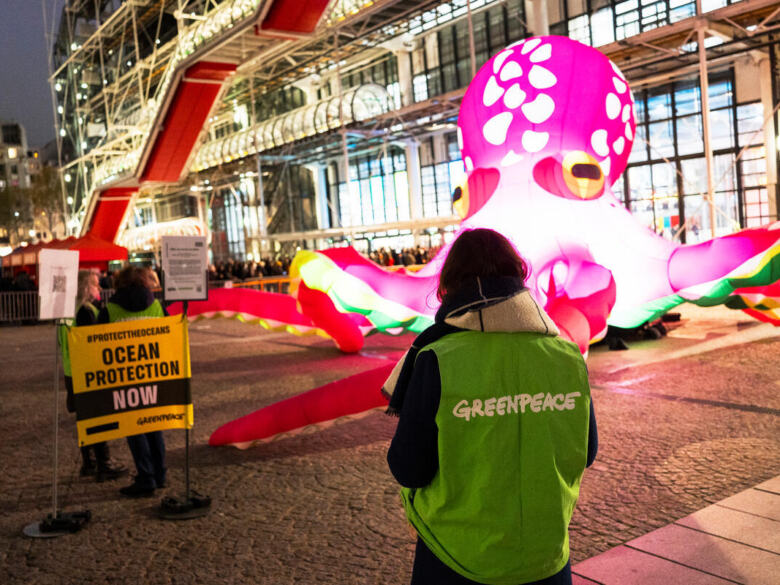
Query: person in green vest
x,y
95,458
496,427
134,299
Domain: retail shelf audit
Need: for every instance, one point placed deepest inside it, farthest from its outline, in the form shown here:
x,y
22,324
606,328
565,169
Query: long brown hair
x,y
479,253
85,280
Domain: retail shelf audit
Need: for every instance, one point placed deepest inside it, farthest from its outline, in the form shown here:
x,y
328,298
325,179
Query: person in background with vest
x,y
134,299
496,427
95,458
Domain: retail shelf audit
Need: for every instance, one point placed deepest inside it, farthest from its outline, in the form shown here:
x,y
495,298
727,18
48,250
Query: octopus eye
x,y
460,201
582,175
586,171
471,195
578,176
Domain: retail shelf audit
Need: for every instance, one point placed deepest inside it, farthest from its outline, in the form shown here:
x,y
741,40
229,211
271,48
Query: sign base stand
x,y
187,508
53,526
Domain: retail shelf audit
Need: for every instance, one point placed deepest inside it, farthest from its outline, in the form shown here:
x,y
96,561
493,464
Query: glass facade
x,y
377,192
441,63
665,183
664,186
599,22
226,222
441,169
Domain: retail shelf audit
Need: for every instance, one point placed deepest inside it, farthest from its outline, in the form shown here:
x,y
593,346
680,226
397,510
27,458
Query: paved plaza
x,y
684,422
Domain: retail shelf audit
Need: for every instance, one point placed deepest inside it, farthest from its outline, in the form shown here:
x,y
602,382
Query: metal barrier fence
x,y
19,306
22,306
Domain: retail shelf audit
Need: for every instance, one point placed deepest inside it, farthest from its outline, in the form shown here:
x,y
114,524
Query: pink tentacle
x,y
342,327
349,396
249,303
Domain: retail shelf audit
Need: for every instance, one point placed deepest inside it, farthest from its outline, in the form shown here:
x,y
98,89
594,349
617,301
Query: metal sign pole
x,y
186,438
193,505
56,419
56,524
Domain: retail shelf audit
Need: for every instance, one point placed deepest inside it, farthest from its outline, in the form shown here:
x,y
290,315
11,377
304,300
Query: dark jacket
x,y
133,298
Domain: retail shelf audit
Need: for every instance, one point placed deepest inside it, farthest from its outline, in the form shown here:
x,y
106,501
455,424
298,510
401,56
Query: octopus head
x,y
550,109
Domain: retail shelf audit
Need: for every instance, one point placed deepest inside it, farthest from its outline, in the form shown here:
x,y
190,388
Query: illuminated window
x,y
665,185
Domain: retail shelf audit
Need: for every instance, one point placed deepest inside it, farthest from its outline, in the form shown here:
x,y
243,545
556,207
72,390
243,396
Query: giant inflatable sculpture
x,y
545,129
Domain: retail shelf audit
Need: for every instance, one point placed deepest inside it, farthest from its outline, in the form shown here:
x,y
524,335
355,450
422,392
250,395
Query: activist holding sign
x,y
95,458
134,299
496,427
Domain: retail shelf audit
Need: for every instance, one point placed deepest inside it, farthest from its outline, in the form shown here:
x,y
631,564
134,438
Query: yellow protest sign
x,y
130,377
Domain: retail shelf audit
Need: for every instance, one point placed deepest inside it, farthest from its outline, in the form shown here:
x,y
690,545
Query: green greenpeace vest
x,y
62,339
117,313
513,438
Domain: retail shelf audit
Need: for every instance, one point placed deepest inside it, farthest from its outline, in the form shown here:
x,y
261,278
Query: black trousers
x,y
97,454
148,452
429,570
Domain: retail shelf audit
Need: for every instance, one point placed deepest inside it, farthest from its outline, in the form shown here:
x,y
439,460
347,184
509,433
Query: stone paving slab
x,y
755,501
627,566
578,580
718,542
749,529
770,485
704,552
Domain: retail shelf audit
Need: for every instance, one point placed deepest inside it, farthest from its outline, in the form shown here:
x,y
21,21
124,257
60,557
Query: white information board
x,y
184,265
58,273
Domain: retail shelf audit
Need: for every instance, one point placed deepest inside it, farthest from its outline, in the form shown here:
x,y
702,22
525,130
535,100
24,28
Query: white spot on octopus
x,y
493,92
496,128
613,106
541,54
530,45
514,96
617,71
539,110
541,78
511,70
619,145
606,166
598,141
534,141
499,60
511,158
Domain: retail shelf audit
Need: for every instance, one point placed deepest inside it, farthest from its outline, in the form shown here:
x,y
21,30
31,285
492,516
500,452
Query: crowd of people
x,y
231,269
279,265
405,257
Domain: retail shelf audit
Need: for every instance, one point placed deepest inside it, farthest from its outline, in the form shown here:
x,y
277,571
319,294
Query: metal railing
x,y
277,284
19,306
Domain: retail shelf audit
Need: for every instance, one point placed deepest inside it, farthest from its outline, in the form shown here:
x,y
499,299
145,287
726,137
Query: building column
x,y
413,179
536,17
402,47
319,178
770,134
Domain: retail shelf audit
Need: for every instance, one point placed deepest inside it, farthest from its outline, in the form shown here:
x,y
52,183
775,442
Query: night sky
x,y
25,95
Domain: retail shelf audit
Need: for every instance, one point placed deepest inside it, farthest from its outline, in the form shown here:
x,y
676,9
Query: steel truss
x,y
127,53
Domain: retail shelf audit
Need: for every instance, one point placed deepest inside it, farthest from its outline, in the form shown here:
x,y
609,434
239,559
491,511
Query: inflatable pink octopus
x,y
545,129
